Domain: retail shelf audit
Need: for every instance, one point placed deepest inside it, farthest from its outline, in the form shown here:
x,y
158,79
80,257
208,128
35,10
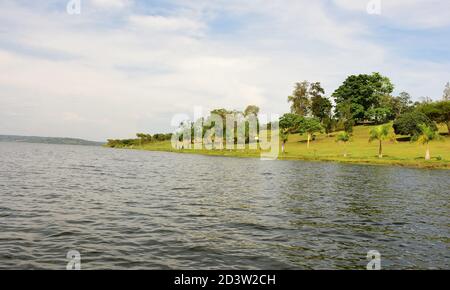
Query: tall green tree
x,y
379,133
362,92
289,122
401,104
300,100
308,99
320,107
437,111
379,115
427,135
345,116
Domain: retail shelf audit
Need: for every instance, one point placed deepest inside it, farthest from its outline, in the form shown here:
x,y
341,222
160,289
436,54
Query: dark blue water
x,y
124,209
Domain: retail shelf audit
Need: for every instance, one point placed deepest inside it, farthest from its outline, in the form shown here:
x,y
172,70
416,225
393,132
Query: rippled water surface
x,y
124,209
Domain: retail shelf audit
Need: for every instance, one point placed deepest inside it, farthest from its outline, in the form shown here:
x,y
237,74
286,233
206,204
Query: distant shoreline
x,y
48,140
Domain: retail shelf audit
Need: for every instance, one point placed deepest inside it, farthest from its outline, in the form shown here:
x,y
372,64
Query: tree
x,y
329,124
288,124
343,137
251,109
345,115
144,138
362,92
427,134
446,95
437,111
379,133
300,99
408,124
320,107
379,115
401,104
443,109
309,126
307,98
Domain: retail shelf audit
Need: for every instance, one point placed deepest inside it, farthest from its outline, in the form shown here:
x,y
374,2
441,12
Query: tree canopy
x,y
308,98
408,124
437,111
362,92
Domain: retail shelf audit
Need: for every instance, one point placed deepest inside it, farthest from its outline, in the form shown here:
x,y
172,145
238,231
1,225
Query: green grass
x,y
359,150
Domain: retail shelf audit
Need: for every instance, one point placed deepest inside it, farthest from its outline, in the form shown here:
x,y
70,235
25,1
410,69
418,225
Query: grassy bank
x,y
325,148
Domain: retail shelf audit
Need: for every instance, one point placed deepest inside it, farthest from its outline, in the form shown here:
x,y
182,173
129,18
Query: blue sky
x,y
126,66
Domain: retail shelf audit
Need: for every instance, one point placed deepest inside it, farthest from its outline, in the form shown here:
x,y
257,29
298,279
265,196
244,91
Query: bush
x,y
408,124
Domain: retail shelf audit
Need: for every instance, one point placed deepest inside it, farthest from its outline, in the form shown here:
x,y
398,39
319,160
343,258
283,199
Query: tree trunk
x,y
282,147
309,137
427,154
448,127
380,151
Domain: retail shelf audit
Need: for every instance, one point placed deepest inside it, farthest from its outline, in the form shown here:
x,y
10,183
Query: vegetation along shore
x,y
362,122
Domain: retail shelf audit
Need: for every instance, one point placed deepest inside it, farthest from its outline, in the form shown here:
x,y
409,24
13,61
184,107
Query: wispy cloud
x,y
126,66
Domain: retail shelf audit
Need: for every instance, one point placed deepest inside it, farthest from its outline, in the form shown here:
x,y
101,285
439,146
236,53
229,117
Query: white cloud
x,y
407,13
111,4
162,23
134,73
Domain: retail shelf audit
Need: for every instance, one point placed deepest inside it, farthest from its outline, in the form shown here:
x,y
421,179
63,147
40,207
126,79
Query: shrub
x,y
409,124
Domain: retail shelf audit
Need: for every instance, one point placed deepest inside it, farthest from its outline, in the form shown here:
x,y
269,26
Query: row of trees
x,y
362,99
141,139
206,124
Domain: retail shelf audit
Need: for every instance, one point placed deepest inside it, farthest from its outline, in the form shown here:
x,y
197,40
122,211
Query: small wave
x,y
182,188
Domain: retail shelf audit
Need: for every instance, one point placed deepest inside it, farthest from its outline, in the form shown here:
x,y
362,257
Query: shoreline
x,y
430,165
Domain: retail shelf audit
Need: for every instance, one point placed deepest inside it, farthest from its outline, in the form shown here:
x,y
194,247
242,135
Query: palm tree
x,y
379,133
427,134
343,137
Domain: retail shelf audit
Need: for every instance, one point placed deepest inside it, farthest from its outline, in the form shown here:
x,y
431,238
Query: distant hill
x,y
48,140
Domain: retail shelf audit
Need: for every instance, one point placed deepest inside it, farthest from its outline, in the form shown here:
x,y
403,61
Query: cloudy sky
x,y
126,66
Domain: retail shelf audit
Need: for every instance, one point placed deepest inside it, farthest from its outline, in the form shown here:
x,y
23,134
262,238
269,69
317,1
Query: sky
x,y
124,66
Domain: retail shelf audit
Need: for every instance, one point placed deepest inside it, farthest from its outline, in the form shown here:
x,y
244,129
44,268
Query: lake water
x,y
124,209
